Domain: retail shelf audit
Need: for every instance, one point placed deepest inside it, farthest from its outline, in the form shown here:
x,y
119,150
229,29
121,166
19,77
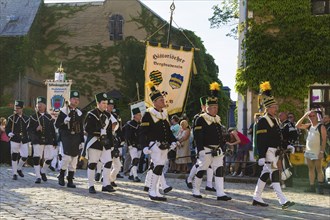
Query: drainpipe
x,y
244,129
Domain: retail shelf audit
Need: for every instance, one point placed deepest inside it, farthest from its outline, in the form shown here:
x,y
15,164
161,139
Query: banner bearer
x,y
70,125
156,136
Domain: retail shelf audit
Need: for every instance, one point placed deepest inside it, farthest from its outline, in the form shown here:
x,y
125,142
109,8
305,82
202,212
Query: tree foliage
x,y
226,14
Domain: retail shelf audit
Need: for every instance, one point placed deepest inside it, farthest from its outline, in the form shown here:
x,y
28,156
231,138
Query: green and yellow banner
x,y
170,71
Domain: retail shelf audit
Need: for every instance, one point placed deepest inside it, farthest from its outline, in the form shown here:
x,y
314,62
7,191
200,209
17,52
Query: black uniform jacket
x,y
47,135
131,133
71,134
268,134
18,125
289,133
208,131
155,126
94,122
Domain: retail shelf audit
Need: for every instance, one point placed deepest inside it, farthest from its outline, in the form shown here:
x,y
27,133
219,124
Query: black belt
x,y
212,148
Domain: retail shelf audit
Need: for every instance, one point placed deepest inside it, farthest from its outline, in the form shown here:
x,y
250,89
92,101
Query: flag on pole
x,y
170,71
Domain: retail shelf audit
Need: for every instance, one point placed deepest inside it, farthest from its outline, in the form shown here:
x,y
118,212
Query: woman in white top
x,y
183,150
315,146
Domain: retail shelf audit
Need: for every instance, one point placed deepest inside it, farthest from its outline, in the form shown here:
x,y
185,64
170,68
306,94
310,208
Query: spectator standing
x,y
315,147
175,128
183,149
4,143
231,151
251,153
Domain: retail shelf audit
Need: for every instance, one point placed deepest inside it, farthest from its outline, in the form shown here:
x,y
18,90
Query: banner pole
x,y
172,8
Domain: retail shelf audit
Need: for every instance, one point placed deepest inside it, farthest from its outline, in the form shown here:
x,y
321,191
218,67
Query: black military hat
x,y
155,93
203,100
136,111
101,97
213,98
265,91
111,102
41,99
74,94
19,103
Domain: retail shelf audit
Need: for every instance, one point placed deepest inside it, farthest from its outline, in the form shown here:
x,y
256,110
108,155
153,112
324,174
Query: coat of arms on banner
x,y
156,77
176,81
57,102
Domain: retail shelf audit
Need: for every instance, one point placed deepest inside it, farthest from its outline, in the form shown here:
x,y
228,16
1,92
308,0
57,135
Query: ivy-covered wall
x,y
287,46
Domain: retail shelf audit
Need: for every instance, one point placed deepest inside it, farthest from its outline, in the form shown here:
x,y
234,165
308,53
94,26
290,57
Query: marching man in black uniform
x,y
43,138
156,136
17,132
118,141
209,171
268,135
70,125
210,145
99,142
131,136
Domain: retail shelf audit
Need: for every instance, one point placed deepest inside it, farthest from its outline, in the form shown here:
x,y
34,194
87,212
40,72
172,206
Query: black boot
x,y
70,180
320,188
60,177
311,189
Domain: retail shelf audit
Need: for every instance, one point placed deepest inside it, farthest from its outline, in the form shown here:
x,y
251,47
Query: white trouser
x,y
158,156
47,151
42,151
115,168
205,160
269,167
134,153
23,150
94,156
69,162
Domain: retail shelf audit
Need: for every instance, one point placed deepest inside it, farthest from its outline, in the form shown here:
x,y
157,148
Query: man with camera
x,y
98,127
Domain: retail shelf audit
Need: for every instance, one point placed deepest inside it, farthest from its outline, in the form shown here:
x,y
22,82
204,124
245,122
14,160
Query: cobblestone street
x,y
23,199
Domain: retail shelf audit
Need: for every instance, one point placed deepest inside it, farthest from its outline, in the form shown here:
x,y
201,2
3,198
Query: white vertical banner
x,y
57,93
170,71
141,105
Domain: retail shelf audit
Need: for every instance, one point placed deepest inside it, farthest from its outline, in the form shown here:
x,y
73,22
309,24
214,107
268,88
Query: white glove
x,y
173,146
67,120
81,146
103,132
291,148
11,134
146,150
261,161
